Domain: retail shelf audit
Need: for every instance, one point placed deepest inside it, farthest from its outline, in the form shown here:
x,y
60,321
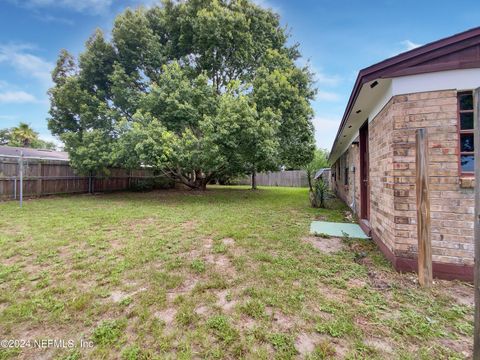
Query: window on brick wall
x,y
346,176
465,129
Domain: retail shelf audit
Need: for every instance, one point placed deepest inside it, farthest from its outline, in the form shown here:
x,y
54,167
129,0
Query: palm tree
x,y
23,134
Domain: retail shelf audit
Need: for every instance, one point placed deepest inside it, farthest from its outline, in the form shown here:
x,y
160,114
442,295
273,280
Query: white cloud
x,y
327,96
17,97
325,131
92,6
47,18
326,123
325,79
28,65
45,136
145,3
409,45
267,4
7,117
319,76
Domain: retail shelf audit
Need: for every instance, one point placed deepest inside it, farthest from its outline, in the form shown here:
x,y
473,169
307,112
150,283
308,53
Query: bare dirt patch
x,y
228,241
116,244
3,306
460,346
118,296
379,280
183,289
83,284
138,225
167,315
247,323
340,346
462,293
281,320
223,301
202,310
356,283
11,261
208,243
381,345
222,264
326,245
189,225
334,294
45,332
306,343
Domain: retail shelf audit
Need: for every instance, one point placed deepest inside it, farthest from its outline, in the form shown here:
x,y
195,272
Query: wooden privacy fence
x,y
290,178
48,177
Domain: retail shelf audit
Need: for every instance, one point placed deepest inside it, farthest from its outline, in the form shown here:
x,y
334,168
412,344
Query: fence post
x,y
39,179
476,239
21,179
423,210
90,182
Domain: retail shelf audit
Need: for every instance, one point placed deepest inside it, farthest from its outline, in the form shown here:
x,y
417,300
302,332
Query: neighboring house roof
x,y
460,51
11,151
320,173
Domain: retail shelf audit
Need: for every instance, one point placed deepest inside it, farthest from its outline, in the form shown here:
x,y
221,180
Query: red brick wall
x,y
392,177
346,192
382,190
451,206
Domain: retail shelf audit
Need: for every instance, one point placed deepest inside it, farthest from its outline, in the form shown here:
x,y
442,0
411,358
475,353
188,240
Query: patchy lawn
x,y
230,273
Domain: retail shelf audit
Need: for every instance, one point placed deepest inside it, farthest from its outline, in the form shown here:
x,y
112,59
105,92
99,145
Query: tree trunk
x,y
254,179
203,186
309,178
195,180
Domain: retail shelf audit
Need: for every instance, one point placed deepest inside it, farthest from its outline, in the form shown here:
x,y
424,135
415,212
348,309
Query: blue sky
x,y
338,38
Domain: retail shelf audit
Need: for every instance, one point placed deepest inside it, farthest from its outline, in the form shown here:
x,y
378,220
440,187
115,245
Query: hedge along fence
x,y
289,178
49,177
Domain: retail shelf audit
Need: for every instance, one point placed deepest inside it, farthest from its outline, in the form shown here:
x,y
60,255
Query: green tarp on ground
x,y
337,229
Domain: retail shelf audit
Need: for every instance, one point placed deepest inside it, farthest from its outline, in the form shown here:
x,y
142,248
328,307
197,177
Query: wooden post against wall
x,y
476,239
425,275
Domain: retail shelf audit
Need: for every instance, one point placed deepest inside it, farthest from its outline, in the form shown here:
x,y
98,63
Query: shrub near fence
x,y
289,178
48,177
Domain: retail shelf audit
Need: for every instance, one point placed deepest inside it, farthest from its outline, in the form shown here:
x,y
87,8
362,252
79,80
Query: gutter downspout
x,y
353,205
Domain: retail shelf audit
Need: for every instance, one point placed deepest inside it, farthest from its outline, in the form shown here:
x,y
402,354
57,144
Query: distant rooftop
x,y
33,153
320,173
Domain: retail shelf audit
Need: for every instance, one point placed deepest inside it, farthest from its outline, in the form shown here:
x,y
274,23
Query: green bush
x,y
149,184
319,194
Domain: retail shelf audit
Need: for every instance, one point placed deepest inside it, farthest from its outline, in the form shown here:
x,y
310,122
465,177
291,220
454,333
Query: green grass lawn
x,y
229,273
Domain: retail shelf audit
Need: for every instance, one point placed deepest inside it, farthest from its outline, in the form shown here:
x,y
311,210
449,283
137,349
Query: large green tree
x,y
195,89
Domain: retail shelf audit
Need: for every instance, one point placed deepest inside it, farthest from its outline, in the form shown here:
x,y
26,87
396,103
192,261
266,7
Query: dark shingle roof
x,y
34,153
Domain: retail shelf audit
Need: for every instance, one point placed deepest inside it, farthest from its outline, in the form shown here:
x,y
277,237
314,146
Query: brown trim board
x,y
443,271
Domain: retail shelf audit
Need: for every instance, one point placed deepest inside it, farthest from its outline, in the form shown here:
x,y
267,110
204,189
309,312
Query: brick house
x,y
373,156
